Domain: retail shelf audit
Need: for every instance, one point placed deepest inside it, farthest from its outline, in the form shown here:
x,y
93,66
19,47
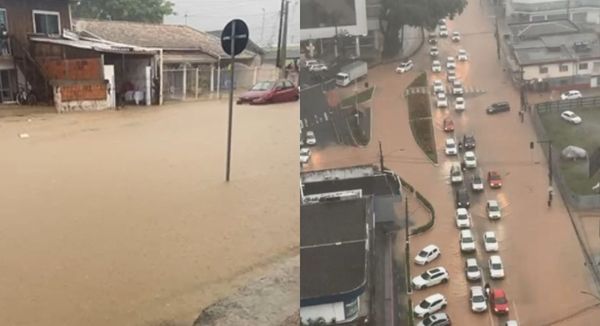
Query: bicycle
x,y
25,96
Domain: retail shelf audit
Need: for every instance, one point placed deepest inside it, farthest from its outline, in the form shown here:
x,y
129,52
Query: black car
x,y
432,39
498,107
468,142
462,198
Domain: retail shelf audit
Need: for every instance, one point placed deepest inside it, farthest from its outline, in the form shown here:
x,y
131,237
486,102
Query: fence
x,y
201,82
581,202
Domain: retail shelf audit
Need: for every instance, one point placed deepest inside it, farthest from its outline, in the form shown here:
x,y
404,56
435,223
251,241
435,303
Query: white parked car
x,y
457,87
478,299
427,255
311,62
470,160
462,55
571,95
490,241
430,278
429,305
434,51
436,66
496,267
493,210
472,270
317,67
456,175
455,37
310,138
467,241
463,218
511,323
451,148
459,104
304,155
439,319
450,63
443,31
571,117
438,86
405,66
441,100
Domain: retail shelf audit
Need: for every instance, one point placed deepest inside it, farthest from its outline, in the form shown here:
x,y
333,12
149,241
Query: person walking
x,y
550,195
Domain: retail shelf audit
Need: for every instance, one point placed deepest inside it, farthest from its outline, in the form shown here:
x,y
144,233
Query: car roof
x,y
471,261
435,297
430,247
477,290
462,211
436,269
439,315
489,234
469,153
495,259
436,62
498,292
450,140
466,233
493,202
450,58
568,112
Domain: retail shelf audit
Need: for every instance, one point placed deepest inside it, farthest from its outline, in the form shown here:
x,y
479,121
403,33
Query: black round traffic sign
x,y
237,29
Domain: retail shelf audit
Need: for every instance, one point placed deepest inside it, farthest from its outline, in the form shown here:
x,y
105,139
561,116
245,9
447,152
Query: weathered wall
x,y
65,105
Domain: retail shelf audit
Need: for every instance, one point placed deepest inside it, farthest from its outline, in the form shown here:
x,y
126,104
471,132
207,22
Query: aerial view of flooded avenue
x,y
115,205
466,135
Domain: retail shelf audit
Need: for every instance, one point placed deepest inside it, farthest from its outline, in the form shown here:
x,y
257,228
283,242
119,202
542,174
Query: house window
x,y
543,70
583,66
46,22
563,68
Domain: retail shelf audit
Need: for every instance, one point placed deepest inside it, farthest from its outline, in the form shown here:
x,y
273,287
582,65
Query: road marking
x,y
514,304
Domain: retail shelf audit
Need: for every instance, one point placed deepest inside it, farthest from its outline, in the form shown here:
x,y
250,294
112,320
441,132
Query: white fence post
x,y
255,75
184,83
196,82
212,78
219,81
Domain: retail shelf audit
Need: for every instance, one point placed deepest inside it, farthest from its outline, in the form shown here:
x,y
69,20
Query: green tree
x,y
152,11
417,13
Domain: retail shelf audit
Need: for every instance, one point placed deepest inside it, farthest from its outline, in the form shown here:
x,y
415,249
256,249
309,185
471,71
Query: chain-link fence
x,y
209,82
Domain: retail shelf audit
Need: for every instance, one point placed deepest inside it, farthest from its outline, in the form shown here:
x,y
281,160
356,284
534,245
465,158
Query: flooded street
x,y
544,264
124,218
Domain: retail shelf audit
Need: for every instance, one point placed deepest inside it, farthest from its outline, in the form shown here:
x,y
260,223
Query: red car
x,y
270,92
448,125
498,301
494,180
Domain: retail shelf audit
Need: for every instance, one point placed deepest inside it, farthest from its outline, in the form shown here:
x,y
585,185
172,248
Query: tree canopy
x,y
417,13
152,11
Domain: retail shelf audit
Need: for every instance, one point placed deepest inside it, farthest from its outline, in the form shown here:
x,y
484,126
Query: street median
x,y
419,116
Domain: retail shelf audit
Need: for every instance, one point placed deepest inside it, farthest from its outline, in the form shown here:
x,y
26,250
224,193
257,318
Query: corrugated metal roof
x,y
87,44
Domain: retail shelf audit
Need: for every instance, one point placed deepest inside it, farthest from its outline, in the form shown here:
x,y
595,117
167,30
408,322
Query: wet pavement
x,y
124,218
544,264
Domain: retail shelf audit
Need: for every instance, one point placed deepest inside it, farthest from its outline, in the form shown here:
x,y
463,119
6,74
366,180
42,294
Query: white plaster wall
x,y
533,72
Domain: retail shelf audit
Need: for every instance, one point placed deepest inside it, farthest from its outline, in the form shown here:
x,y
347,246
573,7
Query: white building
x,y
578,11
555,54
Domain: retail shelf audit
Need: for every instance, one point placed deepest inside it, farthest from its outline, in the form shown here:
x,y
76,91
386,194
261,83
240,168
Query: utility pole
x,y
283,51
497,35
380,157
185,18
407,245
280,32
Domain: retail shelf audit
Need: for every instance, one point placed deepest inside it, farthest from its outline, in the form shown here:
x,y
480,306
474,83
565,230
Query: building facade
x,y
579,11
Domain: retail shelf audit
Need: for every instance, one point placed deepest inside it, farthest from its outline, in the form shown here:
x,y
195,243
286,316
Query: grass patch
x,y
361,97
563,134
419,116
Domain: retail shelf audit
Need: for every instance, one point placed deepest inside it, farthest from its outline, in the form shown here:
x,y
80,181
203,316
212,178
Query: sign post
x,y
234,39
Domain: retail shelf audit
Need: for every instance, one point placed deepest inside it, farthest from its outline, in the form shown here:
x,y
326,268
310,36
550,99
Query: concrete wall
x,y
533,72
75,106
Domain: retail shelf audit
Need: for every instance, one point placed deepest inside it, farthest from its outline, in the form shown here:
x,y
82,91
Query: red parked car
x,y
494,180
270,92
448,125
498,301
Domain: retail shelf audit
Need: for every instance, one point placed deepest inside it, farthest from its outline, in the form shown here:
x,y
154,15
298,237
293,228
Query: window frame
x,y
587,66
560,68
543,69
46,12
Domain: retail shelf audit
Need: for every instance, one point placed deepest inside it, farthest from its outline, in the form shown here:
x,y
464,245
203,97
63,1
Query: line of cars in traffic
x,y
431,308
309,139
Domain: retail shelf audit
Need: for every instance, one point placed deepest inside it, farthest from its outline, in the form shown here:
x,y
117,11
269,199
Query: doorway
x,y
7,86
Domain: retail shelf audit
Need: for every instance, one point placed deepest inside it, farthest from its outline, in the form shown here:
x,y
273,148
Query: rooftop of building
x,y
331,222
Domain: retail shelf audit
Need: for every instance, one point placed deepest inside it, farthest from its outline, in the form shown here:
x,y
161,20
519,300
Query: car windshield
x,y
467,240
429,321
450,145
490,240
500,300
478,299
425,304
462,216
477,180
423,253
262,86
494,208
472,269
425,276
496,266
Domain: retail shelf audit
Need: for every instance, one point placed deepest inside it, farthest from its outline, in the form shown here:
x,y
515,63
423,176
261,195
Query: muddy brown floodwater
x,y
124,218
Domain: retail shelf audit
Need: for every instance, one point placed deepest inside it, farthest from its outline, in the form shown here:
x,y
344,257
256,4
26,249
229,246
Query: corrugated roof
x,y
167,37
100,46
